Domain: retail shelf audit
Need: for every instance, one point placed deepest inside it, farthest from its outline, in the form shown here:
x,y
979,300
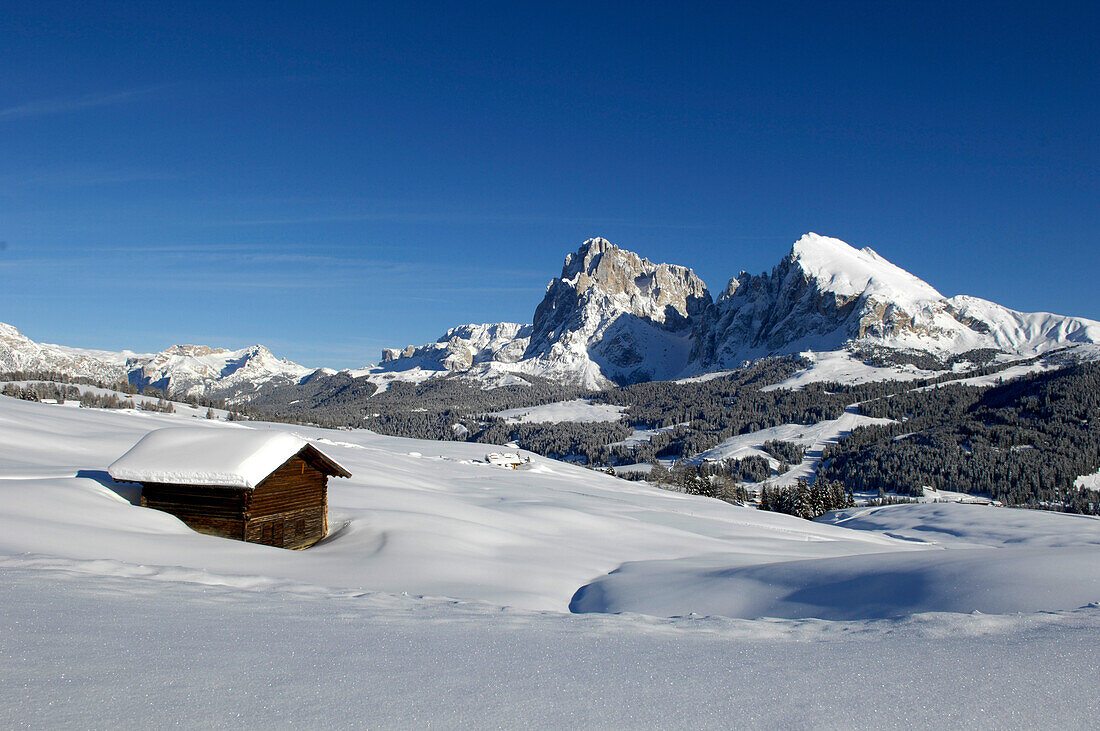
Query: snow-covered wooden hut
x,y
265,487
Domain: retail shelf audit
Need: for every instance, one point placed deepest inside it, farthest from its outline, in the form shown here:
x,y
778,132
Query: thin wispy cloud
x,y
68,104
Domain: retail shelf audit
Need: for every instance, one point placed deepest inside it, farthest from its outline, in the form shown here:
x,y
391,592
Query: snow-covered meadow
x,y
581,410
441,598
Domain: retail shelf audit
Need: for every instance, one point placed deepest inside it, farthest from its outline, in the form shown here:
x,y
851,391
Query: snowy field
x,y
814,437
840,367
978,559
441,596
575,410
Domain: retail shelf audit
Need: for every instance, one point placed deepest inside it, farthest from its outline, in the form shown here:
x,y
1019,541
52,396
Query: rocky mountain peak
x,y
601,270
616,314
191,351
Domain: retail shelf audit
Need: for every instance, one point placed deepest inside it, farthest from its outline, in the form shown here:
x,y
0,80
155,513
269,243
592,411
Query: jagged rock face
x,y
601,280
465,346
629,316
611,317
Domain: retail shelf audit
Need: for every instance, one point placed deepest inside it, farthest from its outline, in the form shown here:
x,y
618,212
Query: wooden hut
x,y
252,485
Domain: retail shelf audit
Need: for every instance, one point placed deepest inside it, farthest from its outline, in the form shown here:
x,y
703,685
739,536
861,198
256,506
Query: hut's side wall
x,y
216,511
289,509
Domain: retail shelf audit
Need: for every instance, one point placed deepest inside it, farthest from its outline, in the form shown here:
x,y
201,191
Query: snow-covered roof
x,y
504,458
211,456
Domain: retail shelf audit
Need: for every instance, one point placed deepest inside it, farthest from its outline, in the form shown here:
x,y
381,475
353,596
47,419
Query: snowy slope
x,y
431,518
84,650
850,272
577,410
120,616
813,437
418,517
979,559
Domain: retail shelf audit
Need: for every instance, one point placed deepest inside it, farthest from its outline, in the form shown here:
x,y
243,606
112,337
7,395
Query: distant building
x,y
252,485
506,459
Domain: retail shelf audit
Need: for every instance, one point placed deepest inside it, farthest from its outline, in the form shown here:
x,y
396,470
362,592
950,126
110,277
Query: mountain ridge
x,y
613,317
595,327
190,370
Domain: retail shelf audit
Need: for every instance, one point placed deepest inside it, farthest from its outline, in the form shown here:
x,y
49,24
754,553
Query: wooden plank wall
x,y
297,485
216,511
289,509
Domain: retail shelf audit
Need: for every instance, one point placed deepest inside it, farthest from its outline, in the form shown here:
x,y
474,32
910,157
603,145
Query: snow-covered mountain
x,y
180,370
233,374
614,317
20,353
468,345
611,317
826,294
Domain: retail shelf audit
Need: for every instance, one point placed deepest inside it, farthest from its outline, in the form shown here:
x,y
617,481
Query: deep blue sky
x,y
329,178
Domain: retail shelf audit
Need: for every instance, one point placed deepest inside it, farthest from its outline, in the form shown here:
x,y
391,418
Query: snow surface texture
x,y
998,561
79,649
438,599
190,455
